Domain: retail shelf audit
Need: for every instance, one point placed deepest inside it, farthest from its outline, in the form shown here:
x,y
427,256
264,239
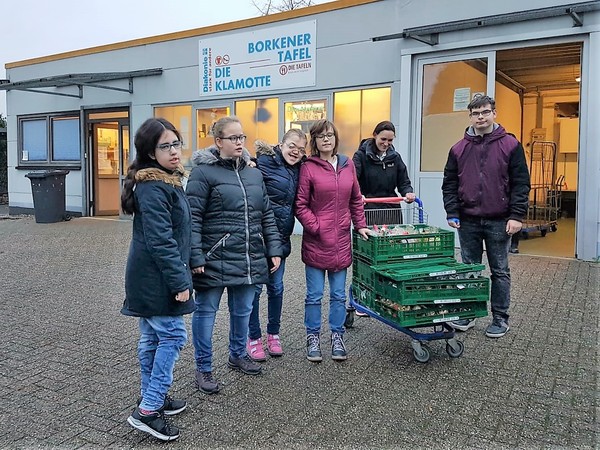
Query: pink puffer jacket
x,y
327,203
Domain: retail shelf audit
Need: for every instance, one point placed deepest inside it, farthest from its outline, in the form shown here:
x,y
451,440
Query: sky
x,y
35,28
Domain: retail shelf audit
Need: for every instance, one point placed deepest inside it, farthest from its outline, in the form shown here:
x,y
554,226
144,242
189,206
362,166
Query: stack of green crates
x,y
413,279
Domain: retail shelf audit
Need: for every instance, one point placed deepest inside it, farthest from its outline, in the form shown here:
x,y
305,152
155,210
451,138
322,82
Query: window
x,y
181,118
65,139
303,114
260,119
50,140
356,113
205,119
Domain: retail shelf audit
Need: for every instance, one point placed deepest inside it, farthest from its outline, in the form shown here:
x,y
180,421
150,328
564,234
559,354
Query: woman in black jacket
x,y
279,166
381,172
158,280
380,169
235,243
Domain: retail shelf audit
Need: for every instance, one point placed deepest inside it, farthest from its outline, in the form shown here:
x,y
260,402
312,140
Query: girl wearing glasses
x,y
327,204
279,166
158,281
233,235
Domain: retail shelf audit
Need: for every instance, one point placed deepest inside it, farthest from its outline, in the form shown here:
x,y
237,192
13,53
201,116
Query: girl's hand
x,y
182,296
275,262
364,232
198,270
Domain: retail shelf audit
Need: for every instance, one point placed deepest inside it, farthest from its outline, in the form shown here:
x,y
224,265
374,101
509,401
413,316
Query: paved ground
x,y
69,374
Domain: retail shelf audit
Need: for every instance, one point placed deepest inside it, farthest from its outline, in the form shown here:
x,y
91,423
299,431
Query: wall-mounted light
x,y
578,79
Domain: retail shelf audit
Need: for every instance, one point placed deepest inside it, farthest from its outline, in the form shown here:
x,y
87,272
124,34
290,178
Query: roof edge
x,y
219,28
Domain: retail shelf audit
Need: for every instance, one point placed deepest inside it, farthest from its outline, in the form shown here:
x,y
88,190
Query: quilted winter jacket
x,y
281,181
327,203
379,178
159,254
233,226
486,176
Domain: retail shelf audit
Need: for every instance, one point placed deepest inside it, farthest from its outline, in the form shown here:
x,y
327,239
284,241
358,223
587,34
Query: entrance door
x,y
108,140
447,86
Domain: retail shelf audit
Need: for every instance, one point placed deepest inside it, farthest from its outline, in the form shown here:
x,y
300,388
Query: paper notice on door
x,y
462,97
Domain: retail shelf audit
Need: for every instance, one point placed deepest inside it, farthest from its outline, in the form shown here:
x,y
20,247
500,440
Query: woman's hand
x,y
182,296
410,197
198,270
275,262
364,232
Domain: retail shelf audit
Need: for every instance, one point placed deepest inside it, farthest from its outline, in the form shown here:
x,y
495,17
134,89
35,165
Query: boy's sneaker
x,y
154,423
255,350
338,349
361,314
274,345
462,324
171,406
205,382
313,348
244,364
497,328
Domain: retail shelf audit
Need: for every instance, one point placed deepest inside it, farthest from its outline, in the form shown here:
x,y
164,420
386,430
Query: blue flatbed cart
x,y
406,277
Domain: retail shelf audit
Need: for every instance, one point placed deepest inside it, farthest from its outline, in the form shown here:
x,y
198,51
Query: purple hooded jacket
x,y
327,202
486,176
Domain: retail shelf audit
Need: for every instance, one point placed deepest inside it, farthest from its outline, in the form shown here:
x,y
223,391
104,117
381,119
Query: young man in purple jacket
x,y
486,194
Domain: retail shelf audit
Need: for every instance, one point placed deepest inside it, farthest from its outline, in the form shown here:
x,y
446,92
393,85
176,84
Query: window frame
x,y
49,161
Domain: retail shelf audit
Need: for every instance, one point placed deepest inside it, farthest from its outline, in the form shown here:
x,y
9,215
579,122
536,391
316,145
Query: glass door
x,y
205,118
444,89
107,151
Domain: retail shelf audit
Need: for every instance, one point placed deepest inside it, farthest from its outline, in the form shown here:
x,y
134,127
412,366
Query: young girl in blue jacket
x,y
158,279
279,166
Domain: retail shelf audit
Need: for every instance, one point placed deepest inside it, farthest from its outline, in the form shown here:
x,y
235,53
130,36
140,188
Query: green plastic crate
x,y
397,248
416,315
433,292
424,269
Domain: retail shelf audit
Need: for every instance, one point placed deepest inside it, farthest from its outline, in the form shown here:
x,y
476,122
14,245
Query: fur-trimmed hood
x,y
212,155
264,148
155,174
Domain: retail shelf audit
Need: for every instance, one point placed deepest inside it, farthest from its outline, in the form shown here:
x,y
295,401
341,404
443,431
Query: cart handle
x,y
390,200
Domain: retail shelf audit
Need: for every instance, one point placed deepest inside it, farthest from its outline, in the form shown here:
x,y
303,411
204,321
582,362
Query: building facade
x,y
355,62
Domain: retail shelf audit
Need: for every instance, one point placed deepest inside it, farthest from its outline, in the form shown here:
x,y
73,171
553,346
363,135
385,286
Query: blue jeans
x,y
472,234
239,301
161,340
274,305
315,285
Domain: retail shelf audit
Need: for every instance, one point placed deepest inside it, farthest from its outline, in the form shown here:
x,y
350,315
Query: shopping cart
x,y
406,277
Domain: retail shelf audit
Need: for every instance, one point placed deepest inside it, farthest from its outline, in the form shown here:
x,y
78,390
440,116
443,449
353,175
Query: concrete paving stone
x,y
77,348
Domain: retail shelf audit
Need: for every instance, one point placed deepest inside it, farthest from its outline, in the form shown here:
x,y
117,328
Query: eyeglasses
x,y
294,147
234,139
167,147
484,113
326,135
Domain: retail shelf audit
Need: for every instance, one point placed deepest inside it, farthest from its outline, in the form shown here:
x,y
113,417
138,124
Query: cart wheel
x,y
553,227
455,349
544,231
423,355
67,217
349,322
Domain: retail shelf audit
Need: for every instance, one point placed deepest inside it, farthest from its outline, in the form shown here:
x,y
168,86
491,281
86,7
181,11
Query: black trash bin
x,y
48,189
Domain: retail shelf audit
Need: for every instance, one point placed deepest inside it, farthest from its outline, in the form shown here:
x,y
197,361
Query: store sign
x,y
275,58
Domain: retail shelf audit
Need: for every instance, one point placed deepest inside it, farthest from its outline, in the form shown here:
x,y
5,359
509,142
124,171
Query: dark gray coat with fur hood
x,y
159,255
233,226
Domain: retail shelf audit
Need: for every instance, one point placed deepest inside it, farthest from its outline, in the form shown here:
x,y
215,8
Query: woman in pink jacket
x,y
327,202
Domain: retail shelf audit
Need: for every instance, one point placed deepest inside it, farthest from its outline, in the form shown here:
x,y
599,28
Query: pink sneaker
x,y
255,350
274,345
